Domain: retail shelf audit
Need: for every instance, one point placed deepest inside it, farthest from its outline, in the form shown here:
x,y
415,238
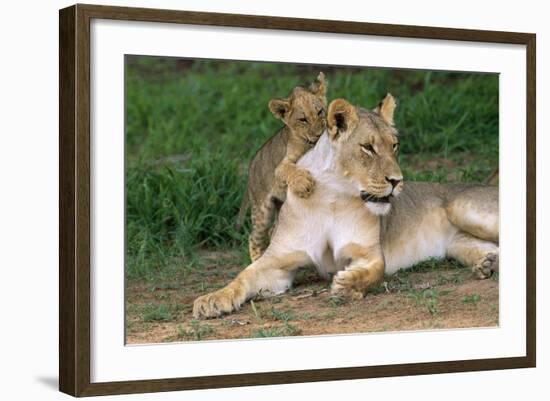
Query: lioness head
x,y
304,110
366,146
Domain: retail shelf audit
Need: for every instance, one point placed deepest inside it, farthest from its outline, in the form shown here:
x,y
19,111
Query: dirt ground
x,y
435,295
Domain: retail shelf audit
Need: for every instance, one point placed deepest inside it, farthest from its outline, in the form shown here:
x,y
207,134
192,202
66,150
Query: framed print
x,y
250,200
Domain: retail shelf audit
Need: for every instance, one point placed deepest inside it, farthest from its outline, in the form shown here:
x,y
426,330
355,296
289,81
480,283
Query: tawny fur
x,y
358,242
273,168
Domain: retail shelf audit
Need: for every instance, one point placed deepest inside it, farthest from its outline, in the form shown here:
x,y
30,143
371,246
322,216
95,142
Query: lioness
x,y
273,166
361,222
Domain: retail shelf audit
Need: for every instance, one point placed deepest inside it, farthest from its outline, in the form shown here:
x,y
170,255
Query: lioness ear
x,y
279,107
319,87
341,118
386,108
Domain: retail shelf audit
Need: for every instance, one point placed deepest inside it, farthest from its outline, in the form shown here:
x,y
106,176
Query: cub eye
x,y
303,120
320,112
396,147
368,149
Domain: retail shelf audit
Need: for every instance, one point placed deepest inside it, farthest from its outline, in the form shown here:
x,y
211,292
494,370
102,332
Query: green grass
x,y
427,298
285,330
471,299
281,315
431,265
335,301
195,331
192,127
153,313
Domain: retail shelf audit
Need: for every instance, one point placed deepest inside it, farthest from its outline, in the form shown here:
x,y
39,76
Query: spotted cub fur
x,y
273,167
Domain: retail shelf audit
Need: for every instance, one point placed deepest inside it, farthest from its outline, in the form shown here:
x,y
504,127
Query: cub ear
x,y
386,108
342,118
279,108
319,87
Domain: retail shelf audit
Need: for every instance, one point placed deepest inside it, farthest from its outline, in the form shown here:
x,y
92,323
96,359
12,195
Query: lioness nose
x,y
394,181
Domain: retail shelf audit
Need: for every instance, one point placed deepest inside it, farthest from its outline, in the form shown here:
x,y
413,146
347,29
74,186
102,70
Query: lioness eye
x,y
368,149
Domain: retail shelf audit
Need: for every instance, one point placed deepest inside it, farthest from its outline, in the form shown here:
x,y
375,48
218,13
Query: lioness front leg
x,y
365,268
270,274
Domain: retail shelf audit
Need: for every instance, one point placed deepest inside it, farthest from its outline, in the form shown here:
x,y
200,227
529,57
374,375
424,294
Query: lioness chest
x,y
416,229
324,224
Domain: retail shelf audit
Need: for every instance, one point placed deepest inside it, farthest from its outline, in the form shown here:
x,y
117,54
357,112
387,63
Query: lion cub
x,y
273,167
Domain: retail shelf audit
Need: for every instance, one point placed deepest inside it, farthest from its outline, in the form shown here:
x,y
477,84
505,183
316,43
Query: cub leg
x,y
299,181
270,274
475,211
262,219
364,268
480,255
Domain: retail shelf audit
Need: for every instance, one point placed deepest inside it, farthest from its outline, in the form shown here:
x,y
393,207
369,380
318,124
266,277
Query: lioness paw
x,y
344,285
487,266
301,183
216,303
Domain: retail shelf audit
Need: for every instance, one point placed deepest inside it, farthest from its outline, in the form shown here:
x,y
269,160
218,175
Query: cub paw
x,y
301,183
216,303
344,286
487,266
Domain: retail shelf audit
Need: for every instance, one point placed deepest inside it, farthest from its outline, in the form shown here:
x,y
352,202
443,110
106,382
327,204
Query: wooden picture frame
x,y
74,199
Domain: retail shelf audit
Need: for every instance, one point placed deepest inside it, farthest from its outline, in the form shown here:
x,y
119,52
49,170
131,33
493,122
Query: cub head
x,y
304,111
366,146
